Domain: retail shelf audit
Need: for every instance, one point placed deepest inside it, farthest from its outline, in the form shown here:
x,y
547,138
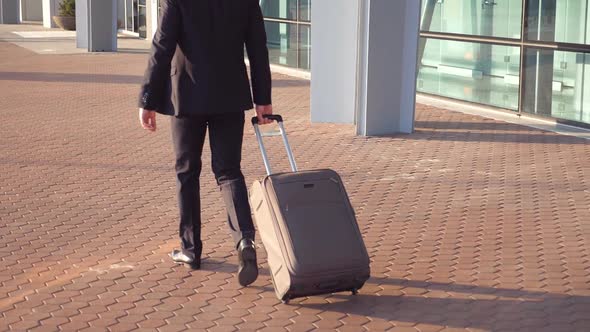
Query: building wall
x,y
121,14
32,10
10,12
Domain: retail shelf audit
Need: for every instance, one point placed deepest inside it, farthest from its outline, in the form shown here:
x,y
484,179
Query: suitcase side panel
x,y
266,224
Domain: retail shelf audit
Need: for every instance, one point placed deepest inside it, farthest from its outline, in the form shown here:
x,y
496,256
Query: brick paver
x,y
471,224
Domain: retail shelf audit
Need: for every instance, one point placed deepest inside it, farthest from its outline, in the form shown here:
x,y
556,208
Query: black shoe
x,y
180,257
248,271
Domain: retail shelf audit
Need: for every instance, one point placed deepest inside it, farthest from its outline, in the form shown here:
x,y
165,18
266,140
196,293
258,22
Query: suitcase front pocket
x,y
317,224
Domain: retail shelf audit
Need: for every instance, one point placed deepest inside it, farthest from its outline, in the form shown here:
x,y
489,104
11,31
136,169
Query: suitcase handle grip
x,y
279,120
273,117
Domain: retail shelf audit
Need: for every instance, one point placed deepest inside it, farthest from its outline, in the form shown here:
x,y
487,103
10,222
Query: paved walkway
x,y
471,224
40,40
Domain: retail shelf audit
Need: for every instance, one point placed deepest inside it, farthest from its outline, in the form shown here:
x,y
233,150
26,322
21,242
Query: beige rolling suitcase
x,y
308,228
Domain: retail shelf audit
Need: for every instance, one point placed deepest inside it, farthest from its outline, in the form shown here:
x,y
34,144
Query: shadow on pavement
x,y
284,83
88,165
133,51
501,306
483,132
70,77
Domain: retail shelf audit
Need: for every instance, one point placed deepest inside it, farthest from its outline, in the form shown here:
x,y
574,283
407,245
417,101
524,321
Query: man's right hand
x,y
147,118
262,110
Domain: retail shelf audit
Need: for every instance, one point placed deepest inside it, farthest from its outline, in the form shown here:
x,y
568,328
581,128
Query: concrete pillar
x,y
9,11
334,60
96,25
82,23
50,9
364,64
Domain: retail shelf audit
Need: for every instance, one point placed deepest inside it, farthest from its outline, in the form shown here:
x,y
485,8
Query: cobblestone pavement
x,y
471,224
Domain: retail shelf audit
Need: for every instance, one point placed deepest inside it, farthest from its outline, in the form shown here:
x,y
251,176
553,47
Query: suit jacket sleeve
x,y
258,56
154,87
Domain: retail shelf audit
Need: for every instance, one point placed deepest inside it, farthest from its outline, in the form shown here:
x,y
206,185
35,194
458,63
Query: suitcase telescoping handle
x,y
259,136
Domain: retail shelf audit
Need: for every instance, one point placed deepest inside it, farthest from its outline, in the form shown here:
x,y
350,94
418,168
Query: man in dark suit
x,y
196,73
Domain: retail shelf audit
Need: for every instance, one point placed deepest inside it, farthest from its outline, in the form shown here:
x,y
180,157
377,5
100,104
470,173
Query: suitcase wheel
x,y
285,300
354,291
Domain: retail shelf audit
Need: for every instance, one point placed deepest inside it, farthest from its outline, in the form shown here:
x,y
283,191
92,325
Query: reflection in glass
x,y
132,16
284,9
561,21
474,72
305,10
498,18
142,16
305,47
289,43
135,16
553,82
282,43
129,15
556,84
121,14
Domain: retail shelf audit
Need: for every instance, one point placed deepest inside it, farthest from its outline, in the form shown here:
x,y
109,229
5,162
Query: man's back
x,y
208,74
210,91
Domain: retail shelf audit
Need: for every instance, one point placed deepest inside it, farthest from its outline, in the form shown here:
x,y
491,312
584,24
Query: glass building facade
x,y
288,29
529,56
131,16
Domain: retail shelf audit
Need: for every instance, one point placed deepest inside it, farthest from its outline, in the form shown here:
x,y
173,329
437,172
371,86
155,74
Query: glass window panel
x,y
305,47
282,43
284,9
562,21
557,85
129,14
121,14
305,10
142,15
473,72
494,18
135,16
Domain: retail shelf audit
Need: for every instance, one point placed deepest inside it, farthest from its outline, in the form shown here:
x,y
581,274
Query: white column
x,y
82,23
364,64
389,48
50,9
334,57
153,10
96,25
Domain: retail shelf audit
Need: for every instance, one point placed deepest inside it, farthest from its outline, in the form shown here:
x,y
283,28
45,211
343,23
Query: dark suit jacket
x,y
197,58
